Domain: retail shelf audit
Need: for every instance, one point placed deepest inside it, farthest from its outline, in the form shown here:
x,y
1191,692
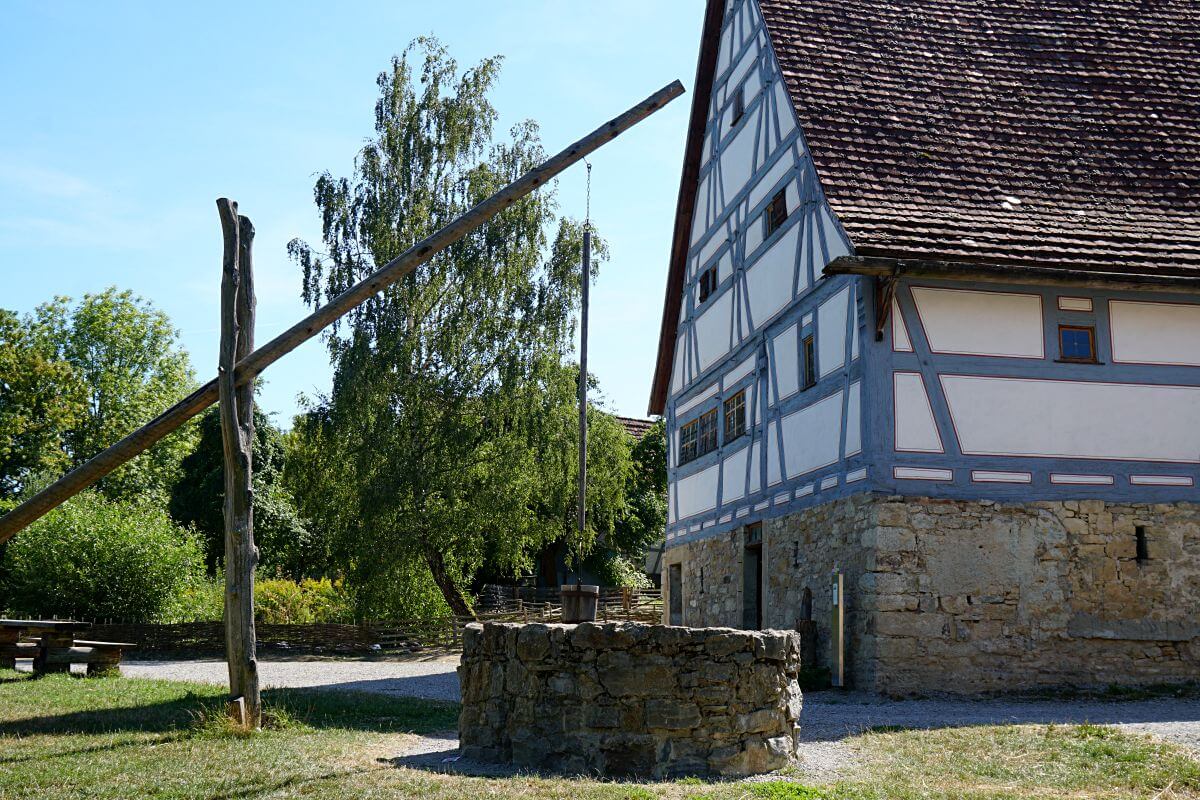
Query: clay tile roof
x,y
1020,132
635,426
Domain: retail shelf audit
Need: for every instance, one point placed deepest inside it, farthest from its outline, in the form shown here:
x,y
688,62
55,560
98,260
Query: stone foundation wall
x,y
624,699
987,596
799,552
973,596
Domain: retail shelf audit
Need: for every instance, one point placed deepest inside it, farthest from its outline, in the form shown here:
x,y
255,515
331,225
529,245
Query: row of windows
x,y
699,437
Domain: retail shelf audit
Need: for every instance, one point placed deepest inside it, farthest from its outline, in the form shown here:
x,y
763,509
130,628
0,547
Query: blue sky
x,y
121,123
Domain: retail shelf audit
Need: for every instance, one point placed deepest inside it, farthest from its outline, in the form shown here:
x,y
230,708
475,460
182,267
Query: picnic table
x,y
52,645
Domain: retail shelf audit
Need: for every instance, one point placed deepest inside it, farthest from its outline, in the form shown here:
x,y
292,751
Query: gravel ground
x,y
435,679
828,718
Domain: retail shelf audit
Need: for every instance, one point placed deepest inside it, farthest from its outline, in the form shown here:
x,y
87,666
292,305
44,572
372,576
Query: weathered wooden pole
x,y
249,367
583,426
237,435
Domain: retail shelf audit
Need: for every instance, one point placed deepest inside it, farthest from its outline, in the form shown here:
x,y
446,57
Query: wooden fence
x,y
381,637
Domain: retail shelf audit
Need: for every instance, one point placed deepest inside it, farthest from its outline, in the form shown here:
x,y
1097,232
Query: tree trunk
x,y
450,591
237,435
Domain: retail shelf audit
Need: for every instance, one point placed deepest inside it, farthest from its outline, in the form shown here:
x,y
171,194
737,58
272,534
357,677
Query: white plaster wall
x,y
744,368
698,492
812,435
916,430
774,467
831,332
712,330
769,280
981,323
854,420
900,341
733,476
1155,333
787,363
1076,419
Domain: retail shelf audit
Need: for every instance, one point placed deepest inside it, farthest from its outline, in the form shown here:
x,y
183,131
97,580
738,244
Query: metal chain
x,y
587,220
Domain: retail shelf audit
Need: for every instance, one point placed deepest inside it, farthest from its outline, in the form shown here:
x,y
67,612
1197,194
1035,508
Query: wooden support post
x,y
255,362
237,434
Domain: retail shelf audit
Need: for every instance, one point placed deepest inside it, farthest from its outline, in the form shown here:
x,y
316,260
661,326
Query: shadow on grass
x,y
310,708
42,755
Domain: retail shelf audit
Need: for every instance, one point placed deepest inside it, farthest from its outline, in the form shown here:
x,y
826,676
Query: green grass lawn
x,y
63,738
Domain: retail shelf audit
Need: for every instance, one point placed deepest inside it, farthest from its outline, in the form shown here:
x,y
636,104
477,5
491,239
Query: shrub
x,y
94,558
614,569
282,602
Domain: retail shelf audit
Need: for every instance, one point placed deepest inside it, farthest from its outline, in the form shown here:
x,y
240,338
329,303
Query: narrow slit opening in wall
x,y
1142,549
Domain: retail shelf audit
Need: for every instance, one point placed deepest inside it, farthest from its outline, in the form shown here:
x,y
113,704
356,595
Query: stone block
x,y
533,642
671,715
629,755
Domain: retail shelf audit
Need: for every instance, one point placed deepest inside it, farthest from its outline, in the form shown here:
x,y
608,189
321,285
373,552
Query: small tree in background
x,y
432,434
608,469
198,498
41,397
645,519
123,367
97,558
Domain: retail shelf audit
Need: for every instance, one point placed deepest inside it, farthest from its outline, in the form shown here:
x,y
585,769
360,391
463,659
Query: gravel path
x,y
828,718
435,679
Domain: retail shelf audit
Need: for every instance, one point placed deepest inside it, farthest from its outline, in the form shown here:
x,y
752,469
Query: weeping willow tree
x,y
447,386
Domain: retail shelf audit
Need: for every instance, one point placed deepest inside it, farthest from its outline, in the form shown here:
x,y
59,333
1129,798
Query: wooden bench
x,y
53,647
101,657
11,651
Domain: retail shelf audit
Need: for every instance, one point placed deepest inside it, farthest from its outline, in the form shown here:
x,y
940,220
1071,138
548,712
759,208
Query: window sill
x,y
1077,361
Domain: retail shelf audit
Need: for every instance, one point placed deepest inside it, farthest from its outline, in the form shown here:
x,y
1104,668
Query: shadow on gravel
x,y
441,686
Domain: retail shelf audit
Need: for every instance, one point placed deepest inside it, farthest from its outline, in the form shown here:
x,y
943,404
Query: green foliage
x,y
97,558
645,518
202,600
614,569
197,499
40,397
78,378
429,454
284,602
608,468
126,354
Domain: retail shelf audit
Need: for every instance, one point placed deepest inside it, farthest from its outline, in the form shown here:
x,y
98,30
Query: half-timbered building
x,y
932,324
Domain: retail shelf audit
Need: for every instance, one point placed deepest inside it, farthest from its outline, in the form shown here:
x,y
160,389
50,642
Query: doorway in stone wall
x,y
675,593
752,594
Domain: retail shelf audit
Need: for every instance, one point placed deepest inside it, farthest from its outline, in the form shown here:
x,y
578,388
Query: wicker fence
x,y
495,603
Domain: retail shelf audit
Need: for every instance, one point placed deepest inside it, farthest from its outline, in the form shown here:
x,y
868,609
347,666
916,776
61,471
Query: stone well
x,y
625,699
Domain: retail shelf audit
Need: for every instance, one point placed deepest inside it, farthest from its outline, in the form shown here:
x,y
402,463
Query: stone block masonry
x,y
630,700
972,596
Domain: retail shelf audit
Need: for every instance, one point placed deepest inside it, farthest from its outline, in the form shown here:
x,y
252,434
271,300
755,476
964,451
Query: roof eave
x,y
881,266
705,69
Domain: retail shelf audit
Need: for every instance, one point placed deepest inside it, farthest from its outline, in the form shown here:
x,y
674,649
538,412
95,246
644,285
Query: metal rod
x,y
248,368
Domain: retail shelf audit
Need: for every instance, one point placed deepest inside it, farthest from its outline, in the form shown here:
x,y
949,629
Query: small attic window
x,y
739,107
1077,343
776,212
708,283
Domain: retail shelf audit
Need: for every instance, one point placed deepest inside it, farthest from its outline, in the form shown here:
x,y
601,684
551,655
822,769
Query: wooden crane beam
x,y
249,367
